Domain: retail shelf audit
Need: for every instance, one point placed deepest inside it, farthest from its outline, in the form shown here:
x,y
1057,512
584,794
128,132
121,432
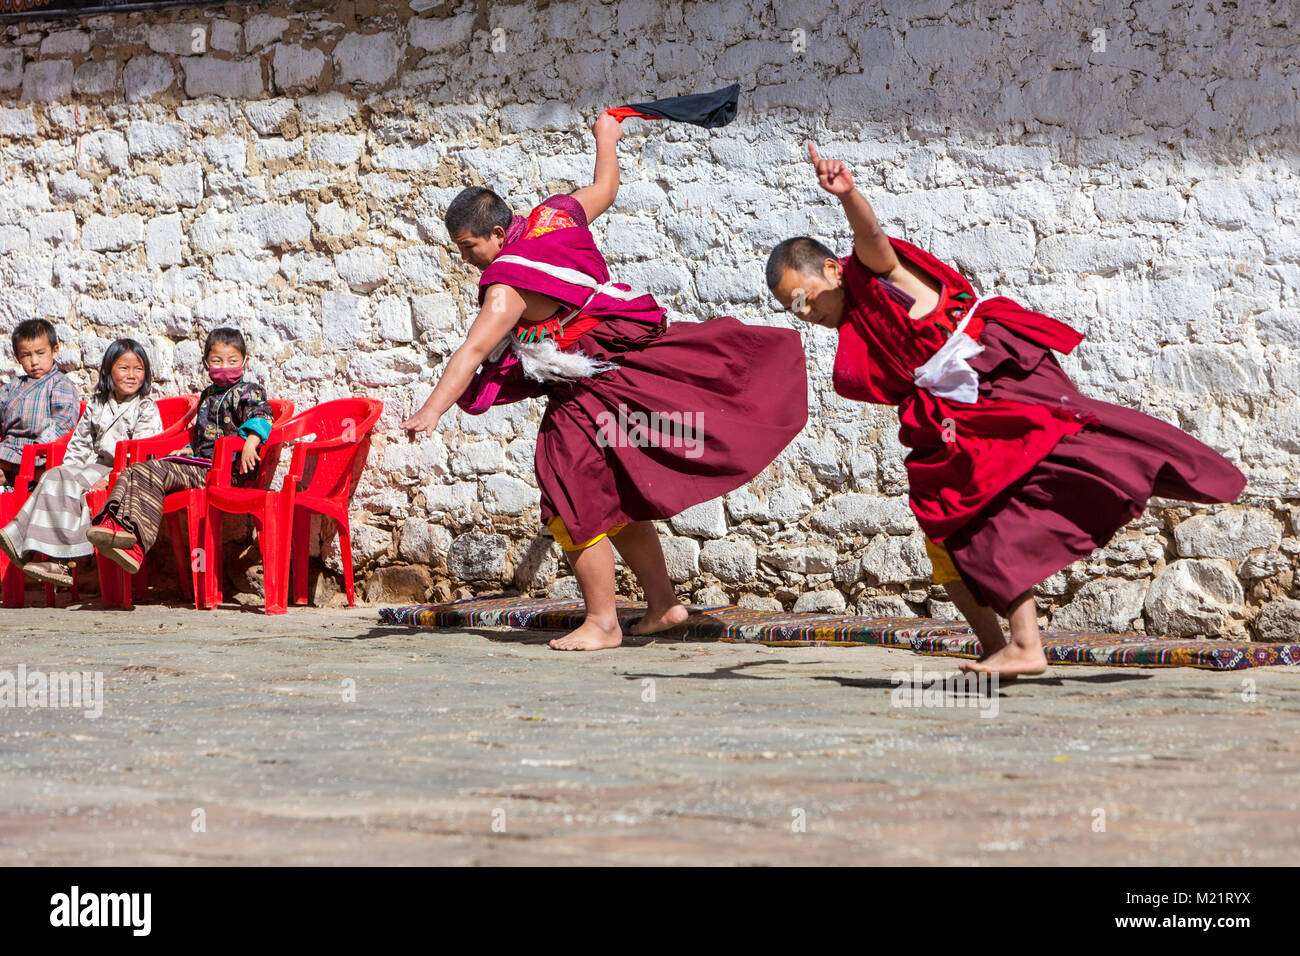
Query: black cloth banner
x,y
709,110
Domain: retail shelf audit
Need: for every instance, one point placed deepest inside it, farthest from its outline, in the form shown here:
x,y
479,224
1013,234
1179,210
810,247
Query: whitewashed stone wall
x,y
1127,166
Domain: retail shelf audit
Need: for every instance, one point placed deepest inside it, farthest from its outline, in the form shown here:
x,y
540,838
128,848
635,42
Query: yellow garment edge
x,y
561,534
945,572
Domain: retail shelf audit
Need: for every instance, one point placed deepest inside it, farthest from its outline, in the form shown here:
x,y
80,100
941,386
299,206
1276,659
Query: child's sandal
x,y
50,572
128,559
10,550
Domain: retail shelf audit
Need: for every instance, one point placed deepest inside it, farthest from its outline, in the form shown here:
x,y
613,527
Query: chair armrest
x,y
26,473
133,450
122,452
54,457
51,451
303,449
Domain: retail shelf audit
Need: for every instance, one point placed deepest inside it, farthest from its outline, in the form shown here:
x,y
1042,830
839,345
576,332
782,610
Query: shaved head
x,y
477,211
806,278
802,253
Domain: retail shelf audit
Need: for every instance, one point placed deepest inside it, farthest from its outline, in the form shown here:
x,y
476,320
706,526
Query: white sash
x,y
573,277
947,374
543,361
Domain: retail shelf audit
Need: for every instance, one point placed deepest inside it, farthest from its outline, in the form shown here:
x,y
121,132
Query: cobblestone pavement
x,y
320,737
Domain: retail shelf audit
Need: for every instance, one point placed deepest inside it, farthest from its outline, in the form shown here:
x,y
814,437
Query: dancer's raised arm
x,y
870,244
502,308
599,196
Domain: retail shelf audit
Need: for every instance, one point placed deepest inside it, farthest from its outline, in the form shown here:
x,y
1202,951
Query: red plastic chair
x,y
177,417
116,586
12,500
322,477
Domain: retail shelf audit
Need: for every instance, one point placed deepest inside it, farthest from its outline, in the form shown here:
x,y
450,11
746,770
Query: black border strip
x,y
48,13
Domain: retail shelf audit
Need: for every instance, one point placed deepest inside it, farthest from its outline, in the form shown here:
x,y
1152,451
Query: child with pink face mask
x,y
129,522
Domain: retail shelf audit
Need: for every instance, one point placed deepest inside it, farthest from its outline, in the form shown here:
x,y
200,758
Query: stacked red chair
x,y
329,447
178,418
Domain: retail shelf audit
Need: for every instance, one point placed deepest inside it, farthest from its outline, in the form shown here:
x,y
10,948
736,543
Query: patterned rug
x,y
732,624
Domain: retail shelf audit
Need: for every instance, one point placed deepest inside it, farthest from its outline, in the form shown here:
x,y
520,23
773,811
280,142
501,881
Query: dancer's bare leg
x,y
639,545
982,618
1024,653
594,568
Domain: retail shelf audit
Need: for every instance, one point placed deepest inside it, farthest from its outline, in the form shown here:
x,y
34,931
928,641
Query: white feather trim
x,y
543,362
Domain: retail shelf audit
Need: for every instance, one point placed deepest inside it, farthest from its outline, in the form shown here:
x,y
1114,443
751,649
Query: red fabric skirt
x,y
728,398
1090,485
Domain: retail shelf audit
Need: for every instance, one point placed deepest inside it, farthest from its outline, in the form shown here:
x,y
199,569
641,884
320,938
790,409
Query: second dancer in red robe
x,y
1013,474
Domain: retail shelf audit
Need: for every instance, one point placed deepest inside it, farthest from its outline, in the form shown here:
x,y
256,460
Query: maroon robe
x,y
1033,475
728,396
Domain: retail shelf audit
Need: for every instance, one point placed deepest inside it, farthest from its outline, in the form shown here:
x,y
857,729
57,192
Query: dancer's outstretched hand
x,y
423,421
607,128
832,175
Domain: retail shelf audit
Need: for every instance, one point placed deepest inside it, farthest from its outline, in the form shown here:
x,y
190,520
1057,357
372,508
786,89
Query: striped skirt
x,y
54,520
137,499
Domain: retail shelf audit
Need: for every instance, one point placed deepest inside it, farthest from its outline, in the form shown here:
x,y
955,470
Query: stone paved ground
x,y
243,716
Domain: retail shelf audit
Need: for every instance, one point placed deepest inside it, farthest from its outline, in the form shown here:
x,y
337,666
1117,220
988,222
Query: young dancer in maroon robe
x,y
1013,474
642,421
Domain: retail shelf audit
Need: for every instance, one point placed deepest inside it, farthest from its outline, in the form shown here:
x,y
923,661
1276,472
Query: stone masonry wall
x,y
1127,166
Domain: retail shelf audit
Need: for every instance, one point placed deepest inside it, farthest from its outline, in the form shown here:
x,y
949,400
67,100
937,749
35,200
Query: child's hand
x,y
100,485
248,457
186,452
832,175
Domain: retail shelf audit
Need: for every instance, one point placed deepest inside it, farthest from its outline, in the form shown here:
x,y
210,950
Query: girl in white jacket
x,y
54,520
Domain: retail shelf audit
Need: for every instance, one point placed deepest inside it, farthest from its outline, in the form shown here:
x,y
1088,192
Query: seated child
x,y
129,522
54,520
38,406
1013,473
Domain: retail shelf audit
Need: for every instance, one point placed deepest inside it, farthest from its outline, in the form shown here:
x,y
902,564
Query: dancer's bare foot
x,y
1004,678
1008,662
656,619
990,644
589,636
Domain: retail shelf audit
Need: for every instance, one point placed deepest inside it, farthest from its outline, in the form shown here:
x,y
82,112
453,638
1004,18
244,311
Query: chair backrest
x,y
281,410
334,473
62,440
53,451
177,412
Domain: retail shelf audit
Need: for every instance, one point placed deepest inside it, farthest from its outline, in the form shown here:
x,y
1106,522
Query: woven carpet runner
x,y
783,629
